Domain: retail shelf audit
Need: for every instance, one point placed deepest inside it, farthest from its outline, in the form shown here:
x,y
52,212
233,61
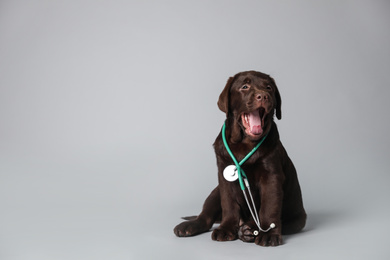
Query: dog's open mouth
x,y
253,122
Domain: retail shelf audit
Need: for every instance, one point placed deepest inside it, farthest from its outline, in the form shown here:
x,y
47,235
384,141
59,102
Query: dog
x,y
250,100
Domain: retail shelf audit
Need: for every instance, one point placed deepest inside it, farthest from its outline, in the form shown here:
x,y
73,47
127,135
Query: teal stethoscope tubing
x,y
242,174
240,171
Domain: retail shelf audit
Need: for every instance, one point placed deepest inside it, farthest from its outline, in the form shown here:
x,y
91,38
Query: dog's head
x,y
250,99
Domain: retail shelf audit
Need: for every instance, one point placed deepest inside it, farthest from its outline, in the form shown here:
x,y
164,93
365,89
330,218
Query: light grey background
x,y
108,114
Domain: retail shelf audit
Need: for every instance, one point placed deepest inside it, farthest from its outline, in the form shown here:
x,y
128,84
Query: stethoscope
x,y
233,172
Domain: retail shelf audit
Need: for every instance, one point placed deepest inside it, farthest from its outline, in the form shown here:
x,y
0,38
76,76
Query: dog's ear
x,y
223,101
278,106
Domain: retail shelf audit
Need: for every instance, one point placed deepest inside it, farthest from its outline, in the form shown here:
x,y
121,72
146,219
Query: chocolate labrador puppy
x,y
250,100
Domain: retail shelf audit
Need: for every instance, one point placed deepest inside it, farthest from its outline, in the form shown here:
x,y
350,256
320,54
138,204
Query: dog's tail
x,y
190,218
194,217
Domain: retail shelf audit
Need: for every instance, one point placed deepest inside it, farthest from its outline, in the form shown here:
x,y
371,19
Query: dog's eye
x,y
269,87
245,87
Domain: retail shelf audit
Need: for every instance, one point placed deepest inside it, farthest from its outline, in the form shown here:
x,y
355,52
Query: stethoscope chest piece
x,y
230,173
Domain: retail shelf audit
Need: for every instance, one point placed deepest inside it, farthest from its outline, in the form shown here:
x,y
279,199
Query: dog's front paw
x,y
269,239
224,234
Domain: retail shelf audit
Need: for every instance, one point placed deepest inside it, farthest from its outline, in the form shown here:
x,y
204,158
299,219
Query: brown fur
x,y
271,173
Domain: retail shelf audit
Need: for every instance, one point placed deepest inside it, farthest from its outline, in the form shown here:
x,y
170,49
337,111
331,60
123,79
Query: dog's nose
x,y
261,96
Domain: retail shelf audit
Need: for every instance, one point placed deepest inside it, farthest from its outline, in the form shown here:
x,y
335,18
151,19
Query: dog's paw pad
x,y
247,233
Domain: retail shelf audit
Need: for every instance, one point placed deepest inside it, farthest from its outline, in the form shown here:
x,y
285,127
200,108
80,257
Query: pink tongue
x,y
255,122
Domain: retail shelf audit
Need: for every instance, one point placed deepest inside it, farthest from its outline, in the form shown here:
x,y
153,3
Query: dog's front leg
x,y
271,194
228,228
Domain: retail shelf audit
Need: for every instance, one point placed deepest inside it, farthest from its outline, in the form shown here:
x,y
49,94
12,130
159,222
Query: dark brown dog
x,y
250,99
